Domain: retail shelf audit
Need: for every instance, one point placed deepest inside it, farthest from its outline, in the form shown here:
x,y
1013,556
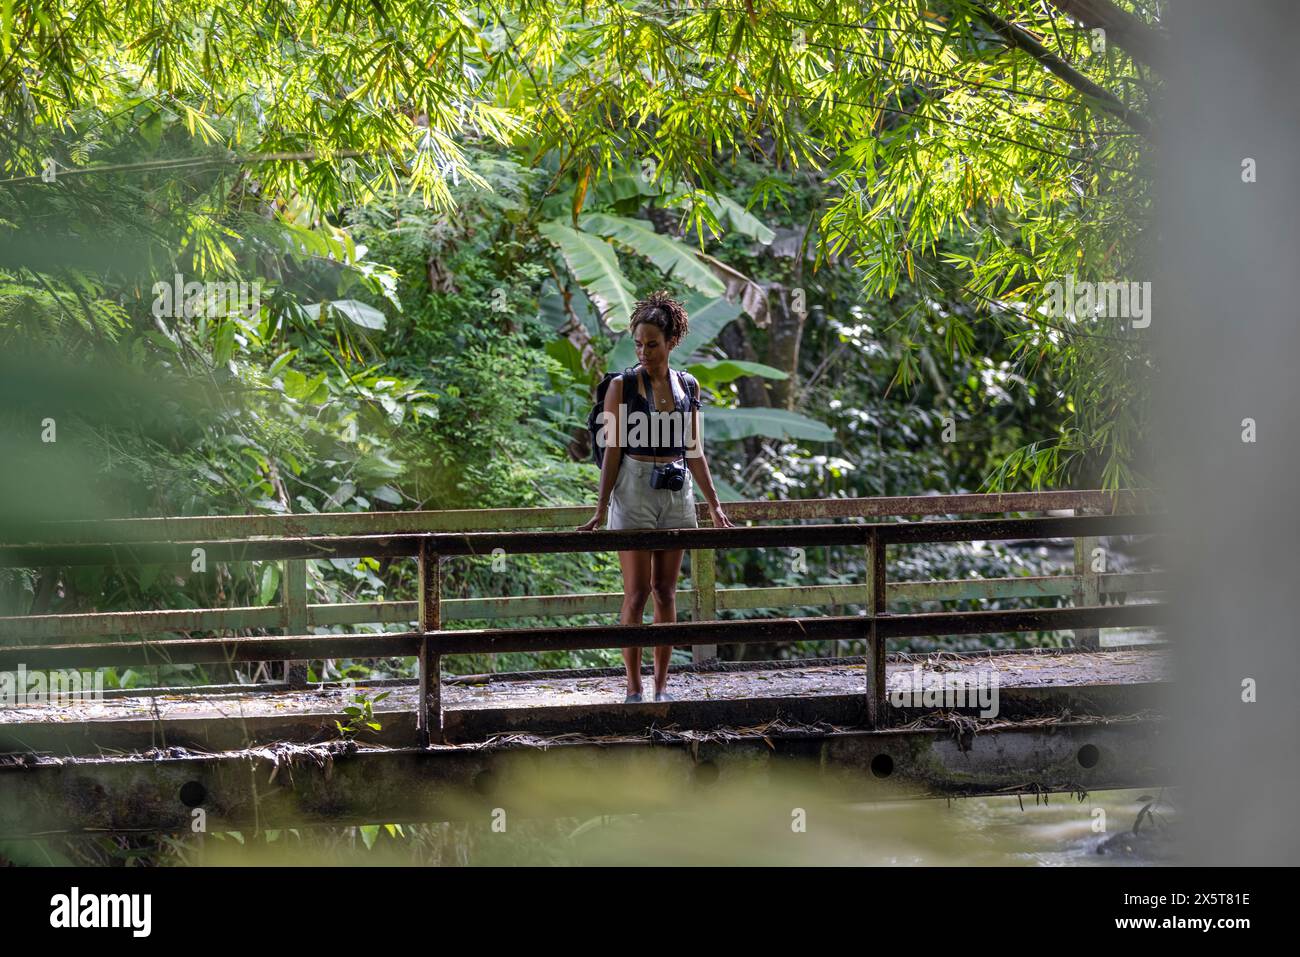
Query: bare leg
x,y
636,589
666,566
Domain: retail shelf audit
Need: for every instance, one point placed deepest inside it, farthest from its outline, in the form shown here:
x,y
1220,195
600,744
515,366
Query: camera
x,y
669,475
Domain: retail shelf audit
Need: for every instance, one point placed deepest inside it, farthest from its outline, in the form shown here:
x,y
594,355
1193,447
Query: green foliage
x,y
450,212
594,264
361,716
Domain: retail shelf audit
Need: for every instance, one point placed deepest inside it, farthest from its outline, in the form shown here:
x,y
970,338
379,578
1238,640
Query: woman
x,y
657,326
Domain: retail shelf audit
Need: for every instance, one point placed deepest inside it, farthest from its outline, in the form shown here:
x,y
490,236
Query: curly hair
x,y
663,311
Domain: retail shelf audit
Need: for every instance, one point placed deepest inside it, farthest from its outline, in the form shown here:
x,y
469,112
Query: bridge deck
x,y
1029,683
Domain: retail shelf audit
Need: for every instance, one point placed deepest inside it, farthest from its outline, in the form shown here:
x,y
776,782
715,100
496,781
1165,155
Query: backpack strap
x,y
629,383
686,387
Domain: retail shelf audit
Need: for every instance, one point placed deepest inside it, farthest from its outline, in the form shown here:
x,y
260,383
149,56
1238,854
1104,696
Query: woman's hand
x,y
720,519
597,520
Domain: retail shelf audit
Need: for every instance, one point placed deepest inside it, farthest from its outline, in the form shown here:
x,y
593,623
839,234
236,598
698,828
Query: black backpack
x,y
593,422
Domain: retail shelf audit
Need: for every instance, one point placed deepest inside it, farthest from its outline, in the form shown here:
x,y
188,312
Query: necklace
x,y
668,402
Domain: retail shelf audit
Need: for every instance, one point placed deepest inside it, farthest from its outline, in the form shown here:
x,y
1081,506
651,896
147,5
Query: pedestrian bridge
x,y
1078,714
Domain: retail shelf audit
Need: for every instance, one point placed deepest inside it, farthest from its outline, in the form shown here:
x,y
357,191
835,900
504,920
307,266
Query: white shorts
x,y
634,504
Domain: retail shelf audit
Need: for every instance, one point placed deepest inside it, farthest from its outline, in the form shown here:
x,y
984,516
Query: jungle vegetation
x,y
444,211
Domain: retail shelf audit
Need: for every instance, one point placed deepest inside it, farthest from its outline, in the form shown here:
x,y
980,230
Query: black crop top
x,y
659,426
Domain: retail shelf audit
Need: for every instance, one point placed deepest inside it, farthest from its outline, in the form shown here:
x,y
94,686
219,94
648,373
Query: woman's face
x,y
651,349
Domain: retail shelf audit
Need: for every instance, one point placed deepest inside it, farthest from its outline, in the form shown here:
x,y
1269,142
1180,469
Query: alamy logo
x,y
178,298
1100,300
655,430
103,910
55,687
955,689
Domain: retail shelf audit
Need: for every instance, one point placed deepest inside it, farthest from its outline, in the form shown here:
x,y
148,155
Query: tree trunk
x,y
576,332
785,332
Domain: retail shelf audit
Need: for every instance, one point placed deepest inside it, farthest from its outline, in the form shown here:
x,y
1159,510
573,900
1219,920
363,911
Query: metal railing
x,y
293,539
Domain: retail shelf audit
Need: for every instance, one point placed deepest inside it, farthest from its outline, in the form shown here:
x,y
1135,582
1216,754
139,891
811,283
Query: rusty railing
x,y
432,537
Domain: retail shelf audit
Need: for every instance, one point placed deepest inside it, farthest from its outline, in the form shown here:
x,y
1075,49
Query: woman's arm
x,y
609,464
698,463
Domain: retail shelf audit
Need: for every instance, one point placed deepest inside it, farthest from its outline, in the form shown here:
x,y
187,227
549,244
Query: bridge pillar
x,y
429,699
295,616
875,654
1087,592
704,600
